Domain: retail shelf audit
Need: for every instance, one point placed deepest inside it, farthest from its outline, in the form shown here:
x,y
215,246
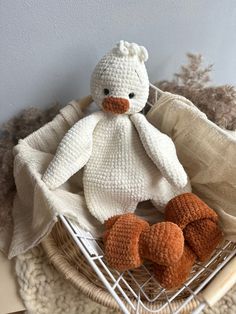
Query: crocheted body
x,y
119,173
126,159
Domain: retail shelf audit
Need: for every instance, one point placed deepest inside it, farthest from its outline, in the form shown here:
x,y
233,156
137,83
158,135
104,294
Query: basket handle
x,y
221,284
85,102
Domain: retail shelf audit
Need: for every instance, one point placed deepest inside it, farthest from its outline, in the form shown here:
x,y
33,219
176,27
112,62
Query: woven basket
x,y
68,260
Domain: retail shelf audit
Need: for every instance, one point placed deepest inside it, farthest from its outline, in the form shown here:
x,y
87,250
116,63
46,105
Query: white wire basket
x,y
207,283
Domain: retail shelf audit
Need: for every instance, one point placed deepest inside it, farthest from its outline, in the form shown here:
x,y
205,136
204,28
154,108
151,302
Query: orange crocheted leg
x,y
186,208
110,222
198,221
173,276
121,243
203,236
108,225
162,243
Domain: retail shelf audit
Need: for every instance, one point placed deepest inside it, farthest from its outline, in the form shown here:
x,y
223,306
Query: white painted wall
x,y
48,48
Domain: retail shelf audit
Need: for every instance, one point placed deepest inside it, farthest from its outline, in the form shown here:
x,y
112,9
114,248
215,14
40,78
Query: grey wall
x,y
49,47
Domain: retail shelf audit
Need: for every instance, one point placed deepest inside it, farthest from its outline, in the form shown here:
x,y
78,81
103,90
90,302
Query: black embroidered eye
x,y
131,95
106,91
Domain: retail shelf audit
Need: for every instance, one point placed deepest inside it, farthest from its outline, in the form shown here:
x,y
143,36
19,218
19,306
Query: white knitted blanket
x,y
207,153
126,161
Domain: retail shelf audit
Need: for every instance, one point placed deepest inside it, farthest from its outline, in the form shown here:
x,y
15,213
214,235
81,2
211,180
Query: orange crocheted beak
x,y
115,105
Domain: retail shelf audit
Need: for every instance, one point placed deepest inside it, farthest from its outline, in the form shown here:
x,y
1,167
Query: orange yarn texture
x,y
129,240
171,277
115,105
121,244
198,222
162,243
186,208
189,233
202,237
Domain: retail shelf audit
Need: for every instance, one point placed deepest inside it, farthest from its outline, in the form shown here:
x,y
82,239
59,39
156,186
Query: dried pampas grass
x,y
193,82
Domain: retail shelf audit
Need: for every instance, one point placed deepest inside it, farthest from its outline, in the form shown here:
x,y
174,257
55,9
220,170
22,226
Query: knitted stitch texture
x,y
201,234
171,277
198,221
129,240
126,160
162,243
122,242
72,157
187,208
202,237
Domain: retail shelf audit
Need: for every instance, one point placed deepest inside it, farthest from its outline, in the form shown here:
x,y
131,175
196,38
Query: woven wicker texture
x,y
67,258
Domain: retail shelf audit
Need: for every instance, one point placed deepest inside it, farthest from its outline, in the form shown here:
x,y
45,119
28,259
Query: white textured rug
x,y
44,291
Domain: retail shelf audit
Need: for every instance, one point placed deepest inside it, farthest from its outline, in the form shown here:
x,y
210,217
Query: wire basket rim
x,y
84,284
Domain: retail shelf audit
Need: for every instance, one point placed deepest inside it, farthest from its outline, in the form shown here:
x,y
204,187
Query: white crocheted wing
x,y
73,151
161,150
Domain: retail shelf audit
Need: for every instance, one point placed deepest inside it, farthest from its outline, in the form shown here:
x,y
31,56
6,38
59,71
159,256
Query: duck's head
x,y
119,83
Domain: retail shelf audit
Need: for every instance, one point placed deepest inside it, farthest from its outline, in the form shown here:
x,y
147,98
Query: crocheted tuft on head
x,y
123,48
122,74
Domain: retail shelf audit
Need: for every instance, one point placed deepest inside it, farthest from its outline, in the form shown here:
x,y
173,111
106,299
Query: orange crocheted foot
x,y
121,242
162,243
128,240
203,236
186,208
198,222
173,276
108,225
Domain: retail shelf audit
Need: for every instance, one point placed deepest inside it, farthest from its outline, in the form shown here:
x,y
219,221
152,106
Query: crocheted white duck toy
x,y
126,159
